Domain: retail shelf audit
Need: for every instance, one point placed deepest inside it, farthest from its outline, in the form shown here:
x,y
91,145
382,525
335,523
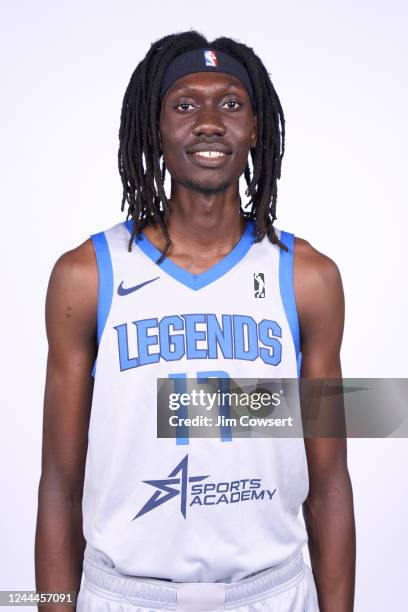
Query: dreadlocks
x,y
141,166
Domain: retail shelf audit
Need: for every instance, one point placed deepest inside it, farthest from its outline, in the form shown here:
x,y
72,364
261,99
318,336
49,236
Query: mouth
x,y
209,155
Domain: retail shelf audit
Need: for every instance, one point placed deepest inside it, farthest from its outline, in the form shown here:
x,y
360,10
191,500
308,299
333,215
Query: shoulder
x,y
77,270
77,266
314,266
72,293
318,284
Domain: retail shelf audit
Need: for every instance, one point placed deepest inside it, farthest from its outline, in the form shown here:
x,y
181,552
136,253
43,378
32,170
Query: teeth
x,y
210,153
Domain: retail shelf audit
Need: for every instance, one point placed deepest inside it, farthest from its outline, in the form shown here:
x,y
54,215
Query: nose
x,y
209,123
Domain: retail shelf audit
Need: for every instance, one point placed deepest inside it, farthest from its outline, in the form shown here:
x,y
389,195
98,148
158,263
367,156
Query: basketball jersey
x,y
187,509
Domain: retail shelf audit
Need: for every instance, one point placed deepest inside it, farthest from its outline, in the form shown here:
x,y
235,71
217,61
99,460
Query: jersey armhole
x,y
105,284
287,289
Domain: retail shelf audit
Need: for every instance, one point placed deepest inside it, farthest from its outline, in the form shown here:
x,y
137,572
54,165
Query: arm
x,y
328,509
71,314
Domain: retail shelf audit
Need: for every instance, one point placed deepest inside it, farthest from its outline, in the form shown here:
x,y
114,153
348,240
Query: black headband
x,y
205,60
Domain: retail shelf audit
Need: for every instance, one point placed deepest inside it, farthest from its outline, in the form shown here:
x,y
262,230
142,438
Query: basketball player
x,y
195,285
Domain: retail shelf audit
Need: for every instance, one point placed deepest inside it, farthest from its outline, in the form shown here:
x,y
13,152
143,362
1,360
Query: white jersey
x,y
190,509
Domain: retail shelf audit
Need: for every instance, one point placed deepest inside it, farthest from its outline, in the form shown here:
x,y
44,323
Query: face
x,y
207,128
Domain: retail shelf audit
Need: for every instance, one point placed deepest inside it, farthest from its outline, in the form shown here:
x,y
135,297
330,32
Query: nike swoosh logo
x,y
126,290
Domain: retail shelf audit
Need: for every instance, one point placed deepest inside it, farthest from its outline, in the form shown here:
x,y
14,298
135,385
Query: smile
x,y
209,154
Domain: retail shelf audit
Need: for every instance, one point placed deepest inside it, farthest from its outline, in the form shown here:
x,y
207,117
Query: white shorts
x,y
289,587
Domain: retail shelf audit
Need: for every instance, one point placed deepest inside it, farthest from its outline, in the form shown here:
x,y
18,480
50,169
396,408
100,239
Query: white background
x,y
340,70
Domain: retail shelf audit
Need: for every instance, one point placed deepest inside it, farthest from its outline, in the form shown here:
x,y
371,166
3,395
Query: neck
x,y
205,221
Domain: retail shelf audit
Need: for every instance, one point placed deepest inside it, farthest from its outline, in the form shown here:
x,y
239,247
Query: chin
x,y
207,187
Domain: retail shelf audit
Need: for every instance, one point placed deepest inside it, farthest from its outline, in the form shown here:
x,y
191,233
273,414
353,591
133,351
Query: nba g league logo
x,y
259,284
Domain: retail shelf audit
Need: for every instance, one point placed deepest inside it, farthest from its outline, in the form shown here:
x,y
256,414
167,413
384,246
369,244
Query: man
x,y
197,285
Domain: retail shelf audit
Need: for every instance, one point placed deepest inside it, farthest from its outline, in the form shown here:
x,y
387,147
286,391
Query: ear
x,y
254,135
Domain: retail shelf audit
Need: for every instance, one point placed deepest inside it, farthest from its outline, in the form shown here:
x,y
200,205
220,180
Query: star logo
x,y
170,487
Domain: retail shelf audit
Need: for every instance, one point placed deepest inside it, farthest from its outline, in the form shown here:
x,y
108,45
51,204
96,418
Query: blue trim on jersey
x,y
299,364
198,281
287,289
105,282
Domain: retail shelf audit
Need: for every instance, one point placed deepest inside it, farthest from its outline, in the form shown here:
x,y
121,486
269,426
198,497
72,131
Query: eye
x,y
184,106
232,104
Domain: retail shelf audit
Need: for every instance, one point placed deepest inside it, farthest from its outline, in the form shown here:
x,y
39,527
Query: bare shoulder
x,y
76,264
72,296
75,273
318,284
313,265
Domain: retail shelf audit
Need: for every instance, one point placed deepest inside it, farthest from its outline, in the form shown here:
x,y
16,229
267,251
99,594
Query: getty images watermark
x,y
211,402
216,405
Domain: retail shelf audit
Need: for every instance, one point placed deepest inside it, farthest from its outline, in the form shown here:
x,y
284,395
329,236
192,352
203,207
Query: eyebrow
x,y
193,87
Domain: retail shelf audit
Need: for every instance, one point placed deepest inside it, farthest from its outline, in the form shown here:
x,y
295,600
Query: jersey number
x,y
180,386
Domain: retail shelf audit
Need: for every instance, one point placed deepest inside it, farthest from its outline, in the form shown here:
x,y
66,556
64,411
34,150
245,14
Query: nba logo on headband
x,y
210,58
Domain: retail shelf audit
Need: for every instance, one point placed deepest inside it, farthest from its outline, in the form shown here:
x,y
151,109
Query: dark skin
x,y
204,225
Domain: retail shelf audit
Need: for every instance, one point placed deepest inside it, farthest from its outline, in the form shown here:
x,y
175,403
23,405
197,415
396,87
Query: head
x,y
203,114
158,131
